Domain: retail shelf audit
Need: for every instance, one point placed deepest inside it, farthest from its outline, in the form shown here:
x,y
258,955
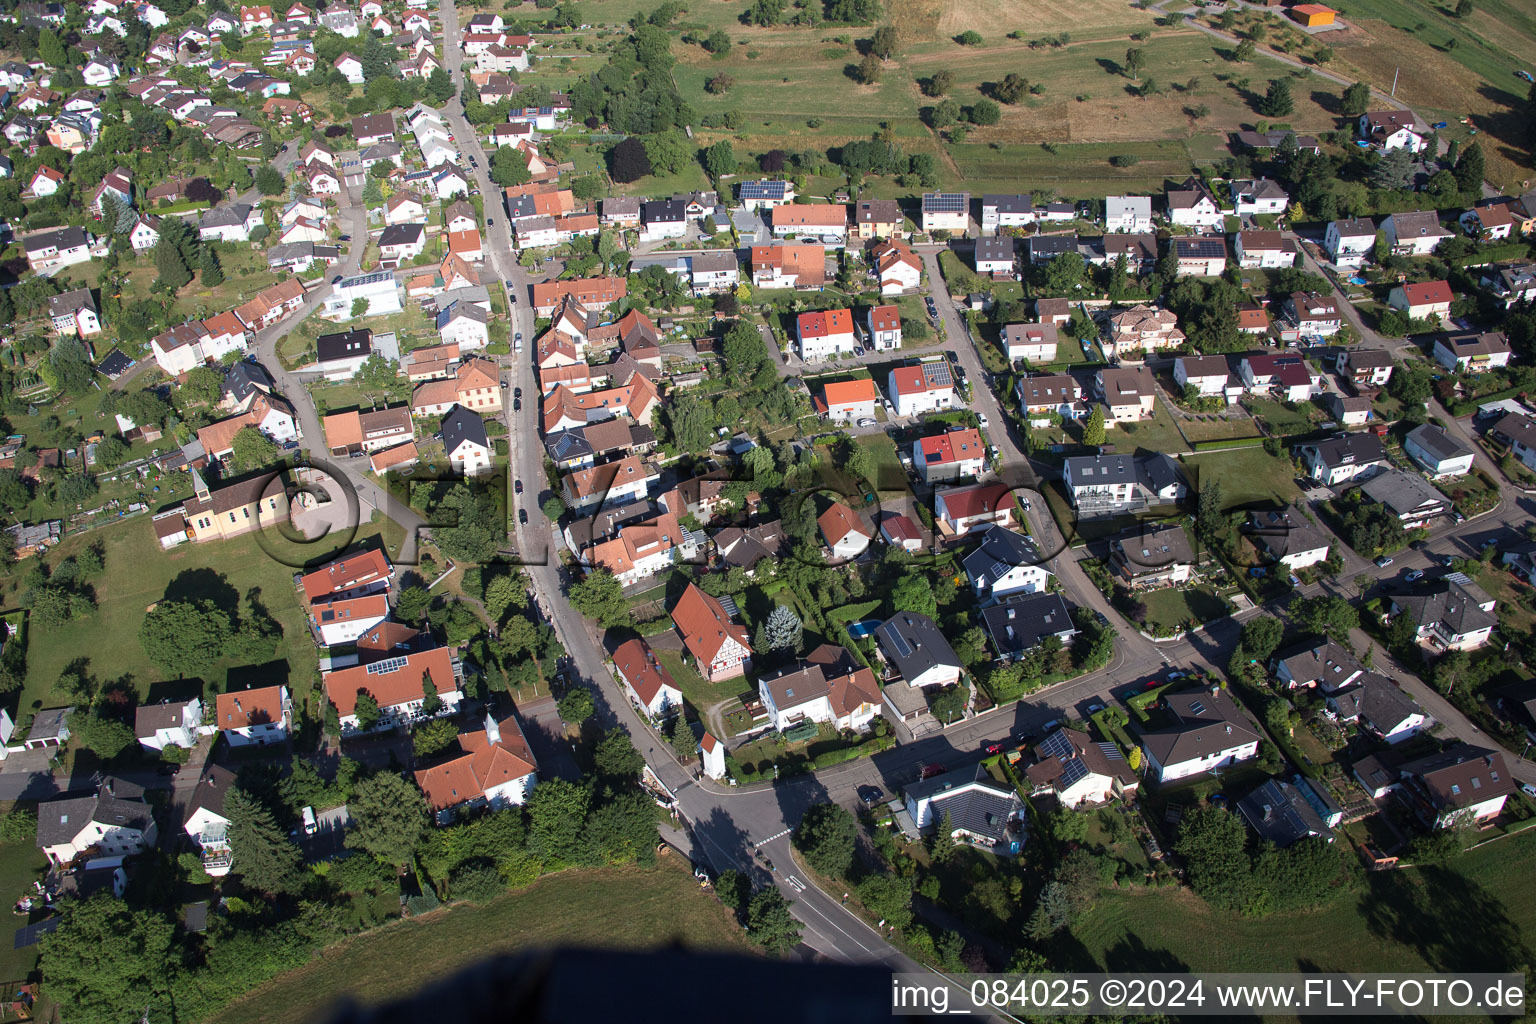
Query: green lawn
x,y
1285,418
1210,427
698,691
1245,475
1159,434
614,908
1398,921
21,864
1171,608
890,477
138,574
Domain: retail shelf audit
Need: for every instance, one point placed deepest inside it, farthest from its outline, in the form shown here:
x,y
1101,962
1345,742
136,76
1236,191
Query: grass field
x,y
613,908
1246,475
1173,607
1200,427
137,575
1400,921
1155,435
21,864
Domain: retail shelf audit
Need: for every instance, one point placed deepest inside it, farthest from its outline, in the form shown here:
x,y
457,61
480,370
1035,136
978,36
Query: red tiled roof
x,y
244,708
1427,292
952,446
345,574
838,521
400,686
850,392
824,323
639,667
704,625
979,500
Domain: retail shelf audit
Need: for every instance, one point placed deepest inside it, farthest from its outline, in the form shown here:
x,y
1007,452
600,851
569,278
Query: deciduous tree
x,y
389,818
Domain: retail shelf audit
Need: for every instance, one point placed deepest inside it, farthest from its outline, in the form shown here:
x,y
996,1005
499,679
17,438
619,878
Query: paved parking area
x,y
546,736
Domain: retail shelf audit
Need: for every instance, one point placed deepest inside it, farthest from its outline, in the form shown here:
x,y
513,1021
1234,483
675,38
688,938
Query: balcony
x,y
217,858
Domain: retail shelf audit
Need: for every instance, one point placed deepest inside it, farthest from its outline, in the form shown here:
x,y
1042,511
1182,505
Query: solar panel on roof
x,y
1197,707
946,202
1056,745
1072,772
1110,751
387,666
899,642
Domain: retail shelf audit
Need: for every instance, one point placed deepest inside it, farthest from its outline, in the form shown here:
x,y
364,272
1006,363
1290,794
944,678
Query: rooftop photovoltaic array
x,y
946,202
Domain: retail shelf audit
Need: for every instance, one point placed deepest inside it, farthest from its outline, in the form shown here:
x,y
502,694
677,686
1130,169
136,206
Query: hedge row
x,y
1229,442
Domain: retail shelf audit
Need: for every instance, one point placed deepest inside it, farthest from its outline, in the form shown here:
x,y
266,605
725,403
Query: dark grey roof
x,y
1021,622
115,364
461,425
669,211
244,377
1355,227
1096,470
116,803
71,302
149,719
1357,448
1200,248
1455,606
1154,546
981,812
343,345
1403,493
567,445
225,216
1008,203
1159,471
400,234
58,238
1384,706
1209,721
1327,664
1280,814
212,788
914,644
1040,245
584,532
994,249
1000,551
49,723
1437,442
1286,531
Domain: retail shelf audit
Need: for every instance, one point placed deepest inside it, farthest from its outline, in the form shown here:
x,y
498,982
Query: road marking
x,y
792,880
765,842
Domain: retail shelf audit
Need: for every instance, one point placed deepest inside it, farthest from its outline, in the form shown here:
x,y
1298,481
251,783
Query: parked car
x,y
522,516
870,795
1095,708
517,405
1382,561
930,770
866,421
981,418
311,826
517,487
992,747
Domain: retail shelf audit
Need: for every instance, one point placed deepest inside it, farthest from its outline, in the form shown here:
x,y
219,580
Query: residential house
x,y
1349,242
1437,453
255,716
884,326
788,266
169,724
1309,316
1414,234
466,443
1458,786
765,194
105,826
1365,367
1392,129
206,821
926,387
378,289
1130,394
1022,622
1043,397
720,647
1412,499
878,219
1258,197
1326,666
825,222
621,213
994,256
999,212
1080,772
1451,614
641,548
1267,249
946,211
953,455
342,354
463,324
1512,284
594,293
1152,555
1032,343
650,686
1284,814
1127,214
896,267
398,685
1114,484
1211,731
492,766
1348,412
1343,457
828,685
1472,353
1193,206
1139,250
825,334
1210,376
711,273
145,233
961,510
1423,300
58,247
75,312
913,647
1200,257
1489,220
405,208
848,401
1141,329
1044,248
1005,563
609,483
1289,536
232,222
979,811
1380,708
846,535
661,219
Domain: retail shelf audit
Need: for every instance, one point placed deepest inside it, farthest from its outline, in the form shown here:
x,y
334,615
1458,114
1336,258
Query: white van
x,y
311,826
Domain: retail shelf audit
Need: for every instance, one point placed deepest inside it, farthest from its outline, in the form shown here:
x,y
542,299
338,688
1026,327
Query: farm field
x,y
613,908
